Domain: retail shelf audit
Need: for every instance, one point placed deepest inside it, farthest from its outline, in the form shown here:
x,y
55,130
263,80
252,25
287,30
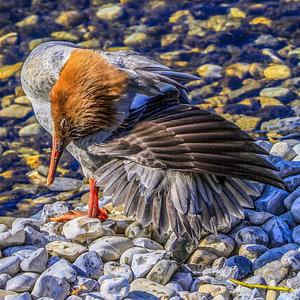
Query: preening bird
x,y
127,120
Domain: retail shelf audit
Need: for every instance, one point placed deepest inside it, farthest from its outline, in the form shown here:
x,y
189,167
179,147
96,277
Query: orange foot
x,y
72,214
93,212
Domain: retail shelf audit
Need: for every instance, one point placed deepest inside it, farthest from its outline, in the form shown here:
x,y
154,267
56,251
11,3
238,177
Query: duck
x,y
127,119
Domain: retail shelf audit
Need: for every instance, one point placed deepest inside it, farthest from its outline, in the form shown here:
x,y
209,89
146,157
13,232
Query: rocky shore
x,y
118,259
247,54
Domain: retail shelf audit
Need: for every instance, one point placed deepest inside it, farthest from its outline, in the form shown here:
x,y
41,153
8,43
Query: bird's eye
x,y
63,123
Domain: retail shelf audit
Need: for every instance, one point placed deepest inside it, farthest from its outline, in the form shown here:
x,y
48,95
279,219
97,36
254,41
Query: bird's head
x,y
83,100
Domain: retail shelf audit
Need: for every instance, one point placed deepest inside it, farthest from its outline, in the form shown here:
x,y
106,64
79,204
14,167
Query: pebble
x,y
147,243
220,243
143,263
83,228
109,12
272,271
88,283
52,287
277,72
284,149
30,130
136,230
22,282
12,238
127,256
23,296
184,279
35,262
10,265
115,288
111,247
291,259
63,270
203,257
115,270
89,264
66,250
248,292
20,251
152,288
296,234
214,290
251,235
15,111
243,264
3,279
53,210
295,209
252,251
163,271
210,71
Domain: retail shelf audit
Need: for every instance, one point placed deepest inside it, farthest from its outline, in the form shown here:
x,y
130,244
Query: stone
x,y
163,271
291,259
277,92
127,256
214,290
64,184
88,284
284,150
12,238
22,223
136,39
31,20
220,243
111,247
83,228
184,279
115,270
245,291
143,263
152,288
52,228
243,264
64,35
30,130
278,231
239,70
35,262
52,287
252,251
89,264
10,265
5,73
295,209
147,244
210,71
62,269
109,12
203,257
272,271
3,279
114,288
257,217
273,254
180,249
23,296
175,286
22,282
247,122
136,230
35,237
15,111
277,72
251,235
69,18
66,250
21,251
53,210
3,227
296,234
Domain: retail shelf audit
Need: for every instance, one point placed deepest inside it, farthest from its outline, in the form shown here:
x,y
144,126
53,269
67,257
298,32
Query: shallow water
x,y
230,44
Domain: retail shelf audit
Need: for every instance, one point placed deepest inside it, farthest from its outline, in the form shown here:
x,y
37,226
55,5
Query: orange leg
x,y
93,207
